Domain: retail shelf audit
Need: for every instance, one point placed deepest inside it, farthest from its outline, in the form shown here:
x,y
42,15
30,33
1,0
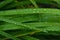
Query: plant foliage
x,y
29,20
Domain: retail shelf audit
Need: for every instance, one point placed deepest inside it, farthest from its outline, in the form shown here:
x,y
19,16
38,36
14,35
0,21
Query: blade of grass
x,y
28,2
18,34
8,26
11,5
23,18
58,3
14,22
5,2
18,4
49,17
8,35
29,38
34,3
48,24
30,11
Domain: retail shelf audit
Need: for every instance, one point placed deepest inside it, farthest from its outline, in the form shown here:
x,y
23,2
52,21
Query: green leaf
x,y
30,11
9,26
8,35
29,38
5,2
34,3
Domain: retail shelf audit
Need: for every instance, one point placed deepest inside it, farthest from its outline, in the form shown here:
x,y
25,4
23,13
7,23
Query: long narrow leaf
x,y
8,35
30,11
5,2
